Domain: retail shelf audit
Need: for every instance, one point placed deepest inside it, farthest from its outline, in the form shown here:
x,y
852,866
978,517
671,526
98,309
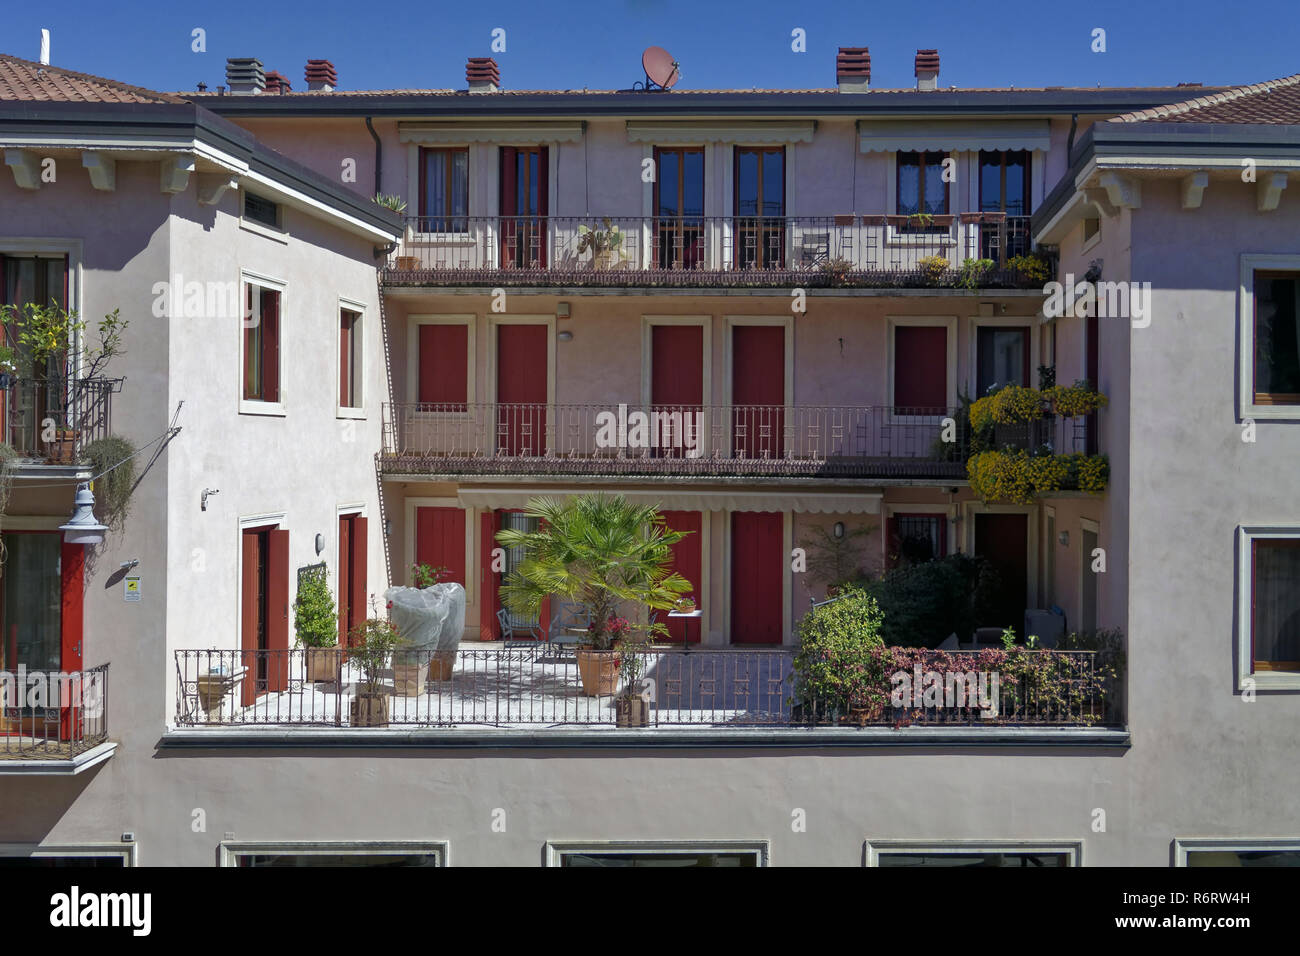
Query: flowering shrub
x,y
1032,267
1016,476
933,267
840,662
1012,405
1071,401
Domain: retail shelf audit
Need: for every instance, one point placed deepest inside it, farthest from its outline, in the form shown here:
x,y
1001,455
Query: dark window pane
x,y
669,179
693,183
62,861
1276,602
974,859
261,210
1243,857
747,183
660,859
1277,336
1017,180
773,183
338,859
1001,358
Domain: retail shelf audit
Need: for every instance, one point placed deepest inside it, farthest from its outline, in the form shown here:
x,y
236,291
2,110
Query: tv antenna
x,y
661,70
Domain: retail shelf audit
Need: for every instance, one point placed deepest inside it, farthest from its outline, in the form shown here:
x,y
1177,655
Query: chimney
x,y
244,75
482,74
276,83
321,76
853,69
927,69
45,47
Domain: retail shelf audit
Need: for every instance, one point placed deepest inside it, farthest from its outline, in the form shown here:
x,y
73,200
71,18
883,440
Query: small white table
x,y
686,628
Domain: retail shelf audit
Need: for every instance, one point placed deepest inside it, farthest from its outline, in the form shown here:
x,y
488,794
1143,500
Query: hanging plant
x,y
112,490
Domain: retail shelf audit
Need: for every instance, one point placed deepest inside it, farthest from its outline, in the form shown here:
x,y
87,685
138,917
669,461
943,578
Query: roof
x,y
1275,102
29,81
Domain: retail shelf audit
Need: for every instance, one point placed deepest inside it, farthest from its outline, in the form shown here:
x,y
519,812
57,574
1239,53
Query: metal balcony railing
x,y
757,440
52,715
56,418
541,688
850,250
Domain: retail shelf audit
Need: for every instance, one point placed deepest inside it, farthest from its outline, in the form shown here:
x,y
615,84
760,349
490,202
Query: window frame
x,y
1002,154
256,406
556,850
229,851
1184,845
1267,679
414,322
873,849
898,181
357,339
1248,405
939,516
893,322
422,194
128,851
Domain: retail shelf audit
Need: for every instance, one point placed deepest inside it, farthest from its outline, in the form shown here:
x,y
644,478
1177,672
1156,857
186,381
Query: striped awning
x,y
919,136
690,499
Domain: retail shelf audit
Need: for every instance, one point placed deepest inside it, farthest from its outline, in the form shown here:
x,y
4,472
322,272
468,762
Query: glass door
x,y
32,620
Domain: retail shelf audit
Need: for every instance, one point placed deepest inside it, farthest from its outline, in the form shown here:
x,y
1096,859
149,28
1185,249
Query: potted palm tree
x,y
316,623
598,551
372,643
605,245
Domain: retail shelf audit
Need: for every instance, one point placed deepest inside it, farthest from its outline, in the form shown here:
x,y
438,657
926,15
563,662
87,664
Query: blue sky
x,y
719,43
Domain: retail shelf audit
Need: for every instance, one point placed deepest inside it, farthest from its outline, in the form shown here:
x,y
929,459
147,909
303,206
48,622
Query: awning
x,y
505,134
918,136
687,133
689,499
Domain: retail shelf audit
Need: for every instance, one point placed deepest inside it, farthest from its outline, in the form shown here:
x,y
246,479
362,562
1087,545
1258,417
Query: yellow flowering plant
x,y
1016,476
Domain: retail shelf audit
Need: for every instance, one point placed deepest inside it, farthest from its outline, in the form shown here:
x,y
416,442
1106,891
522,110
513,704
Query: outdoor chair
x,y
508,631
568,618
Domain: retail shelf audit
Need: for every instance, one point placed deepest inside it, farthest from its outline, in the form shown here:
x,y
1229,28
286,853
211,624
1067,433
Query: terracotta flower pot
x,y
632,711
369,710
440,668
62,451
598,670
408,263
409,679
323,663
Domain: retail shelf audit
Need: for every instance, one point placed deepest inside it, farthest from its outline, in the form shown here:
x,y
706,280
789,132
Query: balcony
x,y
704,441
52,420
847,251
53,722
538,689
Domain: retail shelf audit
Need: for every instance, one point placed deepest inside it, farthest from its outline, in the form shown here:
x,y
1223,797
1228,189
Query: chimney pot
x,y
245,75
927,69
321,76
482,74
276,83
853,69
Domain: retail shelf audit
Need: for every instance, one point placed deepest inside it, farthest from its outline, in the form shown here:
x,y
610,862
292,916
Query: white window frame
x,y
250,406
231,850
1027,322
943,243
893,322
1246,674
1246,407
276,233
473,157
411,505
974,507
357,412
1228,844
128,852
648,322
557,850
873,849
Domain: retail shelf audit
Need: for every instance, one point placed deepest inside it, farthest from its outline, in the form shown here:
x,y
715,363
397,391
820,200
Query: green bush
x,y
841,662
923,603
315,619
112,490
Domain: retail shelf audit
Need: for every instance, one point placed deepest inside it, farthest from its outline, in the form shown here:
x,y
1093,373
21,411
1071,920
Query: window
x,y
679,208
261,210
442,372
1275,604
963,853
1277,338
37,280
350,369
1237,852
261,343
106,855
353,562
916,538
333,854
1004,182
1001,358
666,855
1091,230
444,190
921,188
920,369
760,207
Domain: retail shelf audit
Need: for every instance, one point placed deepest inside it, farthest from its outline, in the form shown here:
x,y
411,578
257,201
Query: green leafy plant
x,y
600,241
973,272
842,664
315,619
395,203
1033,267
837,269
371,644
427,575
923,603
836,561
598,551
39,333
112,490
933,268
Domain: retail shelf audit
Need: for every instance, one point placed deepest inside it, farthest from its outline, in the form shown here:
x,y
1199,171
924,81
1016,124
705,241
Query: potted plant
x,y
605,245
842,667
316,624
410,671
632,706
598,551
427,575
686,604
8,366
372,643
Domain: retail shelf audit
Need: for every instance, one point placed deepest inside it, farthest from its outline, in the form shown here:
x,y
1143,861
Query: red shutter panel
x,y
277,609
444,365
920,369
250,345
688,562
345,354
72,561
248,616
357,565
270,345
345,575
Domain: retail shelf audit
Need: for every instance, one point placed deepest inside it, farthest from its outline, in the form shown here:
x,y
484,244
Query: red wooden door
x,y
443,367
920,369
677,386
440,540
489,578
688,555
521,390
251,604
355,584
72,562
277,610
524,188
757,565
1003,539
758,390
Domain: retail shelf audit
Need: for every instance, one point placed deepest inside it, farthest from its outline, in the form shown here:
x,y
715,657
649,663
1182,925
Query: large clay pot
x,y
408,679
369,710
323,663
598,670
440,668
632,711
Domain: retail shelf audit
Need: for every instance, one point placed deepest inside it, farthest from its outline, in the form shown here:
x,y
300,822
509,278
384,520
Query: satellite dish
x,y
660,68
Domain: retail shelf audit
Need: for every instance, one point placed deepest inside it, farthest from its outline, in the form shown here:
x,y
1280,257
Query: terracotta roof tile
x,y
27,80
1272,102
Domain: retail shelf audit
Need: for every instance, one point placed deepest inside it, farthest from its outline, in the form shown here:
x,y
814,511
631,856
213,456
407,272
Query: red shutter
x,y
521,389
358,608
345,356
277,609
345,576
72,561
444,365
248,615
758,390
920,369
677,365
688,562
440,540
270,345
488,600
757,566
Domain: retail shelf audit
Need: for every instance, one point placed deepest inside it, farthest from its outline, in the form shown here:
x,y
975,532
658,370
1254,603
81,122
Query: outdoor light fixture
x,y
388,526
1064,538
561,310
320,542
838,530
83,527
565,336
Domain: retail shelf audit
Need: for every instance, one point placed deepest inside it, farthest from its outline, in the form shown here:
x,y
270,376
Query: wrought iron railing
x,y
52,715
799,440
543,687
56,418
970,250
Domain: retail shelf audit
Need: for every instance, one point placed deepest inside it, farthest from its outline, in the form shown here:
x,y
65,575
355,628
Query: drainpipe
x,y
1069,143
380,251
